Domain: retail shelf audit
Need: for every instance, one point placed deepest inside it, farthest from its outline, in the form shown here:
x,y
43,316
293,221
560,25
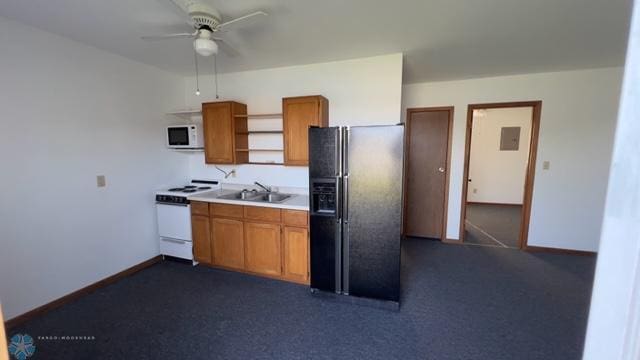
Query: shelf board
x,y
259,116
260,132
265,163
185,113
271,150
188,150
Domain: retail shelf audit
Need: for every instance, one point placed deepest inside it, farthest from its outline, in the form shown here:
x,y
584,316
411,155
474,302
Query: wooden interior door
x,y
263,248
3,339
426,174
217,121
228,242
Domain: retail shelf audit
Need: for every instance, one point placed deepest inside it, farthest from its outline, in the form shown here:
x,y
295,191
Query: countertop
x,y
295,202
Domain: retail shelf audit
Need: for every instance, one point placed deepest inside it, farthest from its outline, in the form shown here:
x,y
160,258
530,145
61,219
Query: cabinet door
x,y
263,248
296,254
217,121
228,242
298,114
201,239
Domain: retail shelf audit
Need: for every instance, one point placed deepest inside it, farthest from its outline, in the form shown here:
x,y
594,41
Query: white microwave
x,y
185,136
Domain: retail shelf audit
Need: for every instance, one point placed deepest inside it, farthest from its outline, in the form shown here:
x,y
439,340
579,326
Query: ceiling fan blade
x,y
170,36
227,23
224,46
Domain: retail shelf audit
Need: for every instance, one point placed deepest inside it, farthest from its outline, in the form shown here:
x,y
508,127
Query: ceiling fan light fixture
x,y
205,47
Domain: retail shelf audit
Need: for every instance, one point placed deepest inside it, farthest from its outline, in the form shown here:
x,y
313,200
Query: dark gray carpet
x,y
458,302
487,223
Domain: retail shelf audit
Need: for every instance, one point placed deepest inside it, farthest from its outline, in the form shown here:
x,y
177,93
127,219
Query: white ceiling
x,y
441,39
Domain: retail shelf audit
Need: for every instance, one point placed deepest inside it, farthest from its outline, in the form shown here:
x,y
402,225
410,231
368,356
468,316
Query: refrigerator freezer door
x,y
325,193
374,162
324,261
324,155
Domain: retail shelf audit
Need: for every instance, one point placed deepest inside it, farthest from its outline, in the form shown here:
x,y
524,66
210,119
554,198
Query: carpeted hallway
x,y
493,225
458,302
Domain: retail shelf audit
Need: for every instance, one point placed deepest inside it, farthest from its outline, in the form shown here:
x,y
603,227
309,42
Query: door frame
x,y
531,164
407,124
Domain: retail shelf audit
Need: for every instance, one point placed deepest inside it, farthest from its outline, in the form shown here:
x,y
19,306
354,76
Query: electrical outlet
x,y
545,165
475,191
101,181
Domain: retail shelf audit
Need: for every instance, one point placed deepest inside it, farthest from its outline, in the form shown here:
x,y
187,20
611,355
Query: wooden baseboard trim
x,y
491,203
20,319
558,251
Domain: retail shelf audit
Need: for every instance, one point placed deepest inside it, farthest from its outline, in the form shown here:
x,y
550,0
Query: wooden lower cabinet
x,y
263,248
201,239
227,237
258,240
296,254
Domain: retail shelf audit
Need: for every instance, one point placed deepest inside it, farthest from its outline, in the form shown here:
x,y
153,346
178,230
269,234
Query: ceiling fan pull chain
x,y
195,57
215,74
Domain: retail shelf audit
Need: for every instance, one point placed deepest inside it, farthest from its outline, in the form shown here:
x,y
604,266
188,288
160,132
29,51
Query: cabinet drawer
x,y
226,210
262,213
199,208
295,217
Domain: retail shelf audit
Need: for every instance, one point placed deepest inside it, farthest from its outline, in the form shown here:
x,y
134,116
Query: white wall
x,y
613,332
69,112
360,92
576,132
498,176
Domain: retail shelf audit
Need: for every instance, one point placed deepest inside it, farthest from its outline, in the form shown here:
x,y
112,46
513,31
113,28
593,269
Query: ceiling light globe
x,y
205,47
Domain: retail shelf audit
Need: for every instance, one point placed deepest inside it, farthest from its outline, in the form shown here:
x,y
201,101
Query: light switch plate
x,y
101,180
545,165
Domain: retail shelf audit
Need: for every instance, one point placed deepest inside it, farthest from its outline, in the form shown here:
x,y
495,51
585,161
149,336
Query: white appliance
x,y
174,217
185,136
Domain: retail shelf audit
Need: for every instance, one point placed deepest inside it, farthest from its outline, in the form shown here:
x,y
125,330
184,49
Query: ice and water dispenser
x,y
323,197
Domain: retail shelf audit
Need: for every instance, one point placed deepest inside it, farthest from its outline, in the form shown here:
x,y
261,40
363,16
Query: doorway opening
x,y
500,155
427,165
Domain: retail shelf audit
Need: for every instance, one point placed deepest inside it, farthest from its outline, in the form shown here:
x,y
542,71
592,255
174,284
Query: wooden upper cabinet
x,y
263,248
225,131
299,113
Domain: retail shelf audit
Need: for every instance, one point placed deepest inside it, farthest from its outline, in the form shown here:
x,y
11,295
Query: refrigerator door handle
x,y
345,258
345,150
345,198
338,154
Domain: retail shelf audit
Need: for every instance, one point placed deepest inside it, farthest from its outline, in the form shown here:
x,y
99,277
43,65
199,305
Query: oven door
x,y
174,221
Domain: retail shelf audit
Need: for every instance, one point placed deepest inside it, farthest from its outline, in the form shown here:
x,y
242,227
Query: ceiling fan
x,y
207,21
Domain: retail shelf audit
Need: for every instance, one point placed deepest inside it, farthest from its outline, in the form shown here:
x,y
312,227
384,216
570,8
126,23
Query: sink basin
x,y
241,195
273,197
256,196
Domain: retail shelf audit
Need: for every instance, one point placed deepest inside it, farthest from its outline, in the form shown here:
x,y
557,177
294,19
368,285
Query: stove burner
x,y
190,187
204,188
176,189
189,190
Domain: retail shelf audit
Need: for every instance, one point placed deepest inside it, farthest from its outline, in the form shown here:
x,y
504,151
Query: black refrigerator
x,y
355,190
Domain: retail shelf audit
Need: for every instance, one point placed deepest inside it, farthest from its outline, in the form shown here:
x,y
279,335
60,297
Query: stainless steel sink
x,y
273,197
241,195
258,196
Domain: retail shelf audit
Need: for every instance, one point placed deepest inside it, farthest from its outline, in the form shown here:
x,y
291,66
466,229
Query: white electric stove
x,y
174,217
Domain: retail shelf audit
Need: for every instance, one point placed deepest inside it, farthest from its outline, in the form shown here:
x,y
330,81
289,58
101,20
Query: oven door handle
x,y
171,204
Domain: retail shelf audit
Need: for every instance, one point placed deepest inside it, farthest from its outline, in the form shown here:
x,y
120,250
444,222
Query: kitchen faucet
x,y
267,188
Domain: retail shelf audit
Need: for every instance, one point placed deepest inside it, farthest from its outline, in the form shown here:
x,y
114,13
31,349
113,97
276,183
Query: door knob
x,y
441,169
